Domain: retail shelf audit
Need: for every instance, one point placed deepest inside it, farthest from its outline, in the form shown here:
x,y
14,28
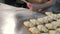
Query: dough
x,y
28,24
34,30
42,28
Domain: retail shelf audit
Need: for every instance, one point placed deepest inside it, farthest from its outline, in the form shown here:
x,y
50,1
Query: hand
x,y
33,6
29,5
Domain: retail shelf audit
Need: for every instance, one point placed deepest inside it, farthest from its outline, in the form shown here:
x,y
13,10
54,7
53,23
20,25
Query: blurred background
x,y
16,3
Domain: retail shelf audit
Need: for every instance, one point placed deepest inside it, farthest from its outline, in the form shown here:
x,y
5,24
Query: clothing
x,y
10,2
56,7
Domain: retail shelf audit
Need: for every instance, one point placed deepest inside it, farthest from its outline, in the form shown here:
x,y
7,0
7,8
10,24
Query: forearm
x,y
49,3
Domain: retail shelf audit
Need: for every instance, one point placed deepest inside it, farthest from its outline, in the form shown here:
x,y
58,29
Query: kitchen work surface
x,y
21,15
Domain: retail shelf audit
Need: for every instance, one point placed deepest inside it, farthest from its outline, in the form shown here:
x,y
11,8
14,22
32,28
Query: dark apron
x,y
56,7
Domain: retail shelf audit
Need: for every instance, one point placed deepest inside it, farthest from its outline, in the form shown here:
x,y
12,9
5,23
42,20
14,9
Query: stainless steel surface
x,y
26,14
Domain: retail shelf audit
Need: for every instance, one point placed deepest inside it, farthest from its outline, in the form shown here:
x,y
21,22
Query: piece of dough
x,y
34,22
52,32
44,33
55,17
50,18
42,28
45,19
58,15
48,13
34,30
56,24
28,24
40,20
50,26
58,29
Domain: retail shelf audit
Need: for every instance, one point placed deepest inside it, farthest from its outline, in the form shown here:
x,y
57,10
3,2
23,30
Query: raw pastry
x,y
34,22
58,29
48,13
52,32
58,15
56,24
42,28
45,19
34,30
50,26
28,24
40,20
44,33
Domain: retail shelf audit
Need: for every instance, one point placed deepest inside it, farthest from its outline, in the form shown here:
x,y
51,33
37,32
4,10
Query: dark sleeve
x,y
19,1
10,2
